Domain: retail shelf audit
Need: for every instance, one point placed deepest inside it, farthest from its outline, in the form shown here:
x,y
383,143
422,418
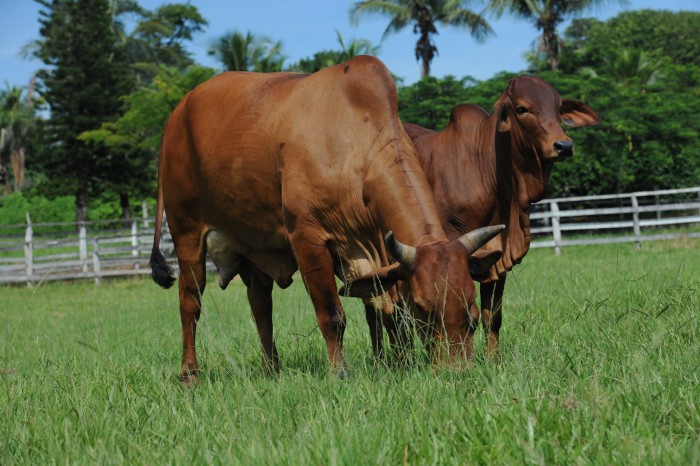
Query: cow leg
x,y
316,267
491,313
471,329
192,281
260,299
374,322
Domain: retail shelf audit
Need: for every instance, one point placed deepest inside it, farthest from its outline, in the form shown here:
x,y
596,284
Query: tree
x,y
546,15
663,36
631,66
429,101
17,116
424,15
238,52
160,35
137,133
85,76
326,58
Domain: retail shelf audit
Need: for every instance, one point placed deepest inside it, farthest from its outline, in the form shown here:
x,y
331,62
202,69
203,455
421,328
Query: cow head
x,y
439,289
532,111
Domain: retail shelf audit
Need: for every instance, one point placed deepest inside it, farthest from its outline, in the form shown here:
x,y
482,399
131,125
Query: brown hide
x,y
274,172
488,169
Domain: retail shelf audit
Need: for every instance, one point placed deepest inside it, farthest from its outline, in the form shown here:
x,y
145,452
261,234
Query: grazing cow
x,y
488,169
277,172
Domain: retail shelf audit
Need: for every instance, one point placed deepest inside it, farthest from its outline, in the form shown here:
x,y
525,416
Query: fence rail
x,y
97,250
616,218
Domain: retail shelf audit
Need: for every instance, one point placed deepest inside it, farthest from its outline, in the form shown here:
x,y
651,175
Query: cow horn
x,y
477,238
403,253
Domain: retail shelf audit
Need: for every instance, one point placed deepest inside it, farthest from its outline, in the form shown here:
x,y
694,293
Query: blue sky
x,y
307,26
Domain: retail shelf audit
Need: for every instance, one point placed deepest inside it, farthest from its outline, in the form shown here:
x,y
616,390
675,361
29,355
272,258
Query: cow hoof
x,y
189,377
343,374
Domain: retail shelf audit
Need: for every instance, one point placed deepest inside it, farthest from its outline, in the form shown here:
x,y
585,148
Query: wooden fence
x,y
32,253
616,218
67,251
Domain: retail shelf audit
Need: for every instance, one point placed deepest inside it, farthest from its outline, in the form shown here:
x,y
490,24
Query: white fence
x,y
33,253
66,251
616,218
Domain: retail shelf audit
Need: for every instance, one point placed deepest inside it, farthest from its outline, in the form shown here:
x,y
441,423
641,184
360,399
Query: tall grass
x,y
600,364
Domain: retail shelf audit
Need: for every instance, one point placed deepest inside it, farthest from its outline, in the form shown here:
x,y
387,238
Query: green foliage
x,y
147,110
663,35
648,138
646,88
13,209
136,135
95,65
599,348
106,208
429,101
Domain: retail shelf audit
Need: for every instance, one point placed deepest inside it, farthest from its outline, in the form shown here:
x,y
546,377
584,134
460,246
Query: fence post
x,y
29,251
635,220
657,201
547,221
134,239
144,209
82,246
96,266
556,228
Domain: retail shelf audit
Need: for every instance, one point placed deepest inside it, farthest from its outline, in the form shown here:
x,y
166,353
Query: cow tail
x,y
162,273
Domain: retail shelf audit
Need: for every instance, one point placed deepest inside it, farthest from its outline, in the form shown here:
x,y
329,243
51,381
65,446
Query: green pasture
x,y
600,364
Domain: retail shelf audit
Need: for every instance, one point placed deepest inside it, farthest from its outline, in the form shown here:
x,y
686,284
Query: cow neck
x,y
398,194
459,163
476,154
528,171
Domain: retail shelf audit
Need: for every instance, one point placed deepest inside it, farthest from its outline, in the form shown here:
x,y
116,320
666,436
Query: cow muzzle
x,y
564,149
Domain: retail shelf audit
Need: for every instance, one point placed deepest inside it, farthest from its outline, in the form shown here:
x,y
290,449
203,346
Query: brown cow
x,y
488,169
277,172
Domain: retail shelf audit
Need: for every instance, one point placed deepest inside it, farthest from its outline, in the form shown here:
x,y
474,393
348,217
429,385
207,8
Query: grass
x,y
600,364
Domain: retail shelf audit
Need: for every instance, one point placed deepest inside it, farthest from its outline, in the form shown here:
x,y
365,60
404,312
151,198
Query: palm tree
x,y
630,67
424,15
16,118
547,15
355,47
326,58
238,52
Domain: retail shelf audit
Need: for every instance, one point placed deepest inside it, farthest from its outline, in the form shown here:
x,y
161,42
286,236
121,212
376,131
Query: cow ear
x,y
576,114
480,263
374,283
501,108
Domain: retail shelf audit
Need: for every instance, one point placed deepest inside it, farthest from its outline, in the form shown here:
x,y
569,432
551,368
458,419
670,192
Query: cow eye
x,y
520,110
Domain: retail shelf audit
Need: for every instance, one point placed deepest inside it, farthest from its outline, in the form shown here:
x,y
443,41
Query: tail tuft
x,y
162,273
